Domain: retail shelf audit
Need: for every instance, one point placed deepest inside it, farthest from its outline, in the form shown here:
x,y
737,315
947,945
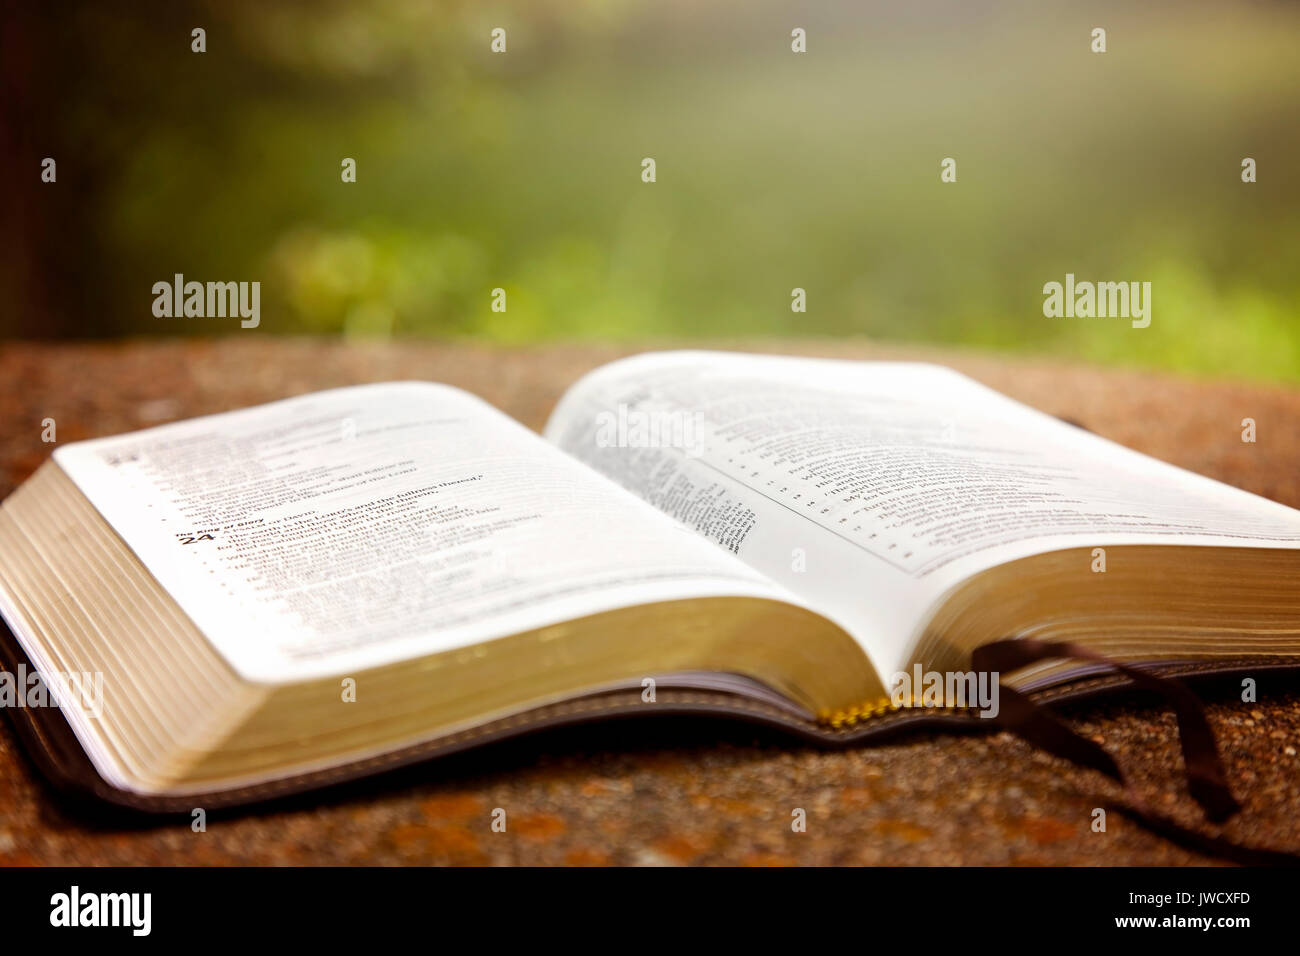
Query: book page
x,y
361,526
871,488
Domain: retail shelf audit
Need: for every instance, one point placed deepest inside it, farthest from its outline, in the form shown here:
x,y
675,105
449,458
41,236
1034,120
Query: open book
x,y
239,605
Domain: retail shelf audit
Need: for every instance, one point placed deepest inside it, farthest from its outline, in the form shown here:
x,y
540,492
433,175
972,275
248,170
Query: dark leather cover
x,y
56,751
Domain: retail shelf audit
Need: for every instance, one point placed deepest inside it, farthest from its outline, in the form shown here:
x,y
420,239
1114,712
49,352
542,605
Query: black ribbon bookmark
x,y
1206,779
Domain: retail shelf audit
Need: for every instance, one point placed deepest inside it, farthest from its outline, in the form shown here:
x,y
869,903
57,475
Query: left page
x,y
361,526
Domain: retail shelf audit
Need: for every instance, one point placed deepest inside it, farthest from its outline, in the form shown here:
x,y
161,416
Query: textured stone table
x,y
673,790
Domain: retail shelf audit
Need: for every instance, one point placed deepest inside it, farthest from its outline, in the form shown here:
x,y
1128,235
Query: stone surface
x,y
675,791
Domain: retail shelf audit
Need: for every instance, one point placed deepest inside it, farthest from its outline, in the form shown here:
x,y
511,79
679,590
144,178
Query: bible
x,y
253,603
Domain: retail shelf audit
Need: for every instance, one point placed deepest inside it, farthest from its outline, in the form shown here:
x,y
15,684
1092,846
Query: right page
x,y
871,489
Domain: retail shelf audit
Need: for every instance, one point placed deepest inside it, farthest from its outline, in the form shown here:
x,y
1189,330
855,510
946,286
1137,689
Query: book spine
x,y
850,716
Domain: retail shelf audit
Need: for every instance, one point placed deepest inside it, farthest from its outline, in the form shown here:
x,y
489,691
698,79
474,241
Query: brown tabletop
x,y
676,790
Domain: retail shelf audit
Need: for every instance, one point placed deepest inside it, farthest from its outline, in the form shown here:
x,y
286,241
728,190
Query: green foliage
x,y
775,170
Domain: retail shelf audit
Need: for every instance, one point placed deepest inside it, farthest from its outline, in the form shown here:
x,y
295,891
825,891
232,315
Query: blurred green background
x,y
775,170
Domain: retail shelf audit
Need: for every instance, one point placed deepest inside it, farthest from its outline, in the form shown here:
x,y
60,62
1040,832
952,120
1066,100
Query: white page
x,y
360,526
872,488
